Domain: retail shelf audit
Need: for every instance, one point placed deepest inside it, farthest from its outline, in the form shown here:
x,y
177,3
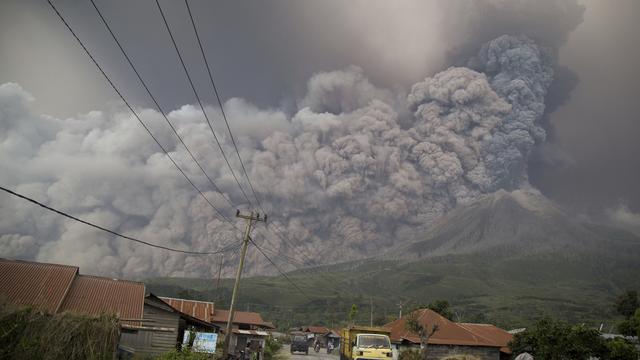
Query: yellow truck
x,y
364,343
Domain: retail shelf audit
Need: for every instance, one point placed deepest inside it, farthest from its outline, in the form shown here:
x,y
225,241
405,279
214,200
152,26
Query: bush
x,y
620,349
409,354
26,333
271,348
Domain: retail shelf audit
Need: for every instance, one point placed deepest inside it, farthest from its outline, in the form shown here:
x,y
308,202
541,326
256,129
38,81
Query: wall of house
x,y
444,352
154,342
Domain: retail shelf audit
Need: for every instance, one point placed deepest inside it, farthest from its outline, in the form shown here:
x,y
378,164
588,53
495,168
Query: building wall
x,y
443,352
154,342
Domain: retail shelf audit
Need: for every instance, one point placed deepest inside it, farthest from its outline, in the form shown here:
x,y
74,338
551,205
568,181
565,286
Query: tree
x,y
442,308
620,349
414,325
555,340
627,303
353,313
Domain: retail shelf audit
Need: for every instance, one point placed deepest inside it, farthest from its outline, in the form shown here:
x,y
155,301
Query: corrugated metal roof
x,y
41,285
241,317
202,310
316,329
449,332
94,295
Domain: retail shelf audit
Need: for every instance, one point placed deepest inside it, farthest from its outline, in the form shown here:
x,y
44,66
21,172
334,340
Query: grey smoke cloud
x,y
343,172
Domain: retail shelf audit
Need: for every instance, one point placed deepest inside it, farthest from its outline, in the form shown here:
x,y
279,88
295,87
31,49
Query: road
x,y
322,355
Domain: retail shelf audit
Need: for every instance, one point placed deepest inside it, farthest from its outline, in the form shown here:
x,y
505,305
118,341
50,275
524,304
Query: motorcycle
x,y
329,349
317,348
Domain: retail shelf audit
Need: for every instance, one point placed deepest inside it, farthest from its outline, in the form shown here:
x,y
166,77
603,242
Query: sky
x,y
347,64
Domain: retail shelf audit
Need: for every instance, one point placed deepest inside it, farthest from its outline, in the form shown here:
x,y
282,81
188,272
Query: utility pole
x,y
371,311
400,305
218,282
251,218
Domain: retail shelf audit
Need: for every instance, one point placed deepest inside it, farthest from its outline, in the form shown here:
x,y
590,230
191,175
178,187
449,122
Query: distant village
x,y
152,325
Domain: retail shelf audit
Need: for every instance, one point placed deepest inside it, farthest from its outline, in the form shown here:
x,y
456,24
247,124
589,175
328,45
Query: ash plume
x,y
342,176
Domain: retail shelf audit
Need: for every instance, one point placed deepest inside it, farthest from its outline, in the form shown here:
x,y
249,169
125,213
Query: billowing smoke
x,y
345,177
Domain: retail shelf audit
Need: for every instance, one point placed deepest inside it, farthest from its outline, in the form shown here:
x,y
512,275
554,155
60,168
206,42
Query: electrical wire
x,y
224,116
160,110
112,232
136,114
175,45
280,271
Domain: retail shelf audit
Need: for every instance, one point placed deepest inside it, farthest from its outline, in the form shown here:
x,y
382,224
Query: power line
x,y
224,116
280,271
175,45
134,113
226,248
124,53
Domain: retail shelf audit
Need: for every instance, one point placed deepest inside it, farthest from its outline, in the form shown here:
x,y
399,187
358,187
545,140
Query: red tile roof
x,y
202,310
491,332
43,286
93,295
449,332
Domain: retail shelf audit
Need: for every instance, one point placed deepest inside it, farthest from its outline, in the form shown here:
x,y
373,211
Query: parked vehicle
x,y
299,343
364,342
316,347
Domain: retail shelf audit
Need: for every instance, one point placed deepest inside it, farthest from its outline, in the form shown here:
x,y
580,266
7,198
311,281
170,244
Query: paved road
x,y
322,355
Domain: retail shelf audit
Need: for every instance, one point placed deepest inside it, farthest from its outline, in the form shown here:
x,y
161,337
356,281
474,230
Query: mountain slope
x,y
507,258
520,222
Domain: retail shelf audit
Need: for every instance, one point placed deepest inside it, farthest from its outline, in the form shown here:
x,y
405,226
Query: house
x,y
162,329
147,324
484,341
315,333
332,337
249,330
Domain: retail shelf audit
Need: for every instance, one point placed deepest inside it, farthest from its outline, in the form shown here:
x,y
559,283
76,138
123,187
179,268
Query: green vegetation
x,y
628,306
509,291
185,354
26,333
557,340
410,354
271,348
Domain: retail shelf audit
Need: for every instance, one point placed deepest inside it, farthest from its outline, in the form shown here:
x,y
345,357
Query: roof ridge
x,y
38,263
108,278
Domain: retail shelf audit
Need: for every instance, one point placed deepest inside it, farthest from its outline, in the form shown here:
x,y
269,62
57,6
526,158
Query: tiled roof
x,y
492,333
449,332
202,310
43,286
95,295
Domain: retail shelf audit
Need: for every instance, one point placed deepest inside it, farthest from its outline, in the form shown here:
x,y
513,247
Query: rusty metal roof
x,y
241,317
95,295
202,310
41,285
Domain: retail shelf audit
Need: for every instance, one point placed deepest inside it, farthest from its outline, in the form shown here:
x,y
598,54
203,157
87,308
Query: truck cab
x,y
365,343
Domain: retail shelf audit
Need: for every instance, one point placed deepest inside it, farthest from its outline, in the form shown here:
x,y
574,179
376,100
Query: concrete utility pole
x,y
400,305
251,218
371,311
218,282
